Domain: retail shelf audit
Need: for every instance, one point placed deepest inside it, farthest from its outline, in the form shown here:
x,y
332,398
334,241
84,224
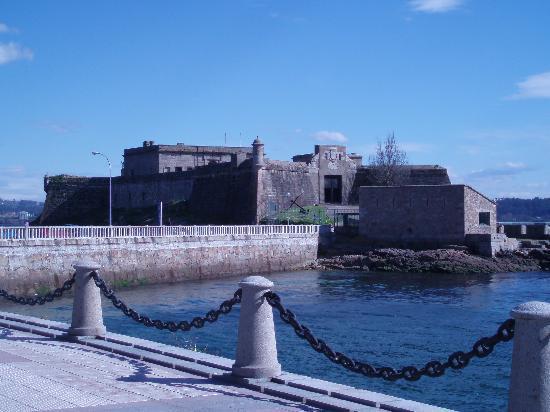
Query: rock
x,y
439,261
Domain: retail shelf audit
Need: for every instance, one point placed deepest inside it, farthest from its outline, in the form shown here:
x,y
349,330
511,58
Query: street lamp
x,y
110,186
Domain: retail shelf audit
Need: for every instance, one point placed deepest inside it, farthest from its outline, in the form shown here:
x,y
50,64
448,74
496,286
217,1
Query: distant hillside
x,y
15,206
523,210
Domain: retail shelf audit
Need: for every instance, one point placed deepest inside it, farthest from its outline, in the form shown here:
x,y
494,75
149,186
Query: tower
x,y
258,153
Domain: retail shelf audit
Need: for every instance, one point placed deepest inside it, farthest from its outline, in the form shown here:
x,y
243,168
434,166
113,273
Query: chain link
x,y
457,360
172,326
40,300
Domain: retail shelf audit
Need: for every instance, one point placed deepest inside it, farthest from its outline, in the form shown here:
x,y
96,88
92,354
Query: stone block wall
x,y
412,216
490,244
280,184
423,216
474,204
140,163
539,231
515,230
146,191
26,266
75,200
223,198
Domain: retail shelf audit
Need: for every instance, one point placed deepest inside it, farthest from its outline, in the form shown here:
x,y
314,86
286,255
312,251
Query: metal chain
x,y
40,300
172,326
457,360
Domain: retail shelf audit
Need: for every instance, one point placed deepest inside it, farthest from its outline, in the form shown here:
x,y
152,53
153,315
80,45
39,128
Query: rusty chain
x,y
40,300
457,360
197,322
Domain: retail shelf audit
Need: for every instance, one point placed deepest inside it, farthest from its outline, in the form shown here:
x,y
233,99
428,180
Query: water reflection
x,y
383,318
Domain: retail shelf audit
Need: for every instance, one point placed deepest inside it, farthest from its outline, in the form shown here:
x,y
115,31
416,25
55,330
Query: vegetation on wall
x,y
307,215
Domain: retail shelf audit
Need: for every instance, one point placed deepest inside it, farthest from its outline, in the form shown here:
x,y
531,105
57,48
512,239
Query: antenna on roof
x,y
225,138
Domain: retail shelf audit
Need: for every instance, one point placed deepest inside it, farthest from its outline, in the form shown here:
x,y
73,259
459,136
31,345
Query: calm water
x,y
385,319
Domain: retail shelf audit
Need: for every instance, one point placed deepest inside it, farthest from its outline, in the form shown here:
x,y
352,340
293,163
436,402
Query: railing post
x,y
87,315
530,376
256,346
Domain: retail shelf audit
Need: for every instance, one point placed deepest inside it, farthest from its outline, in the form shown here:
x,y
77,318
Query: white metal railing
x,y
79,232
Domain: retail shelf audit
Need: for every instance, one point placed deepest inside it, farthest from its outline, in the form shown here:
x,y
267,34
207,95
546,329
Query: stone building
x,y
428,216
223,185
152,158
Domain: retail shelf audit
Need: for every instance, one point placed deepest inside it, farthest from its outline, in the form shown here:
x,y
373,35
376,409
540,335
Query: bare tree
x,y
387,163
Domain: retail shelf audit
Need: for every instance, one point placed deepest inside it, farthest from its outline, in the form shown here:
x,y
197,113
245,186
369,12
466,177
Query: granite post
x,y
256,346
530,376
87,314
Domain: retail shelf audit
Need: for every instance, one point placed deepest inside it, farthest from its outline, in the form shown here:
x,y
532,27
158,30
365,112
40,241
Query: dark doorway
x,y
333,189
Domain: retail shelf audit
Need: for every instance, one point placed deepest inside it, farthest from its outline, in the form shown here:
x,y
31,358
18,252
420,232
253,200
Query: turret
x,y
258,153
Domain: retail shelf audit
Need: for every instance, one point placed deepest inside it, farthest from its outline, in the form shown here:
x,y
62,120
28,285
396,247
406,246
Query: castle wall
x,y
172,160
412,216
140,163
474,204
28,265
146,191
279,183
235,189
425,216
75,200
224,198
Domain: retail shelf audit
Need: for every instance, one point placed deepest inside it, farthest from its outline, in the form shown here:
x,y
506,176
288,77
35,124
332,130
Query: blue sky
x,y
462,83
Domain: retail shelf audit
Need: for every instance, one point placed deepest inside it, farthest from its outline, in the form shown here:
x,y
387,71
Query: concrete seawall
x,y
28,266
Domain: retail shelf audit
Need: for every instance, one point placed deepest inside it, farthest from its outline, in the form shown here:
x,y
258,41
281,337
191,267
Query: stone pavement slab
x,y
39,374
42,371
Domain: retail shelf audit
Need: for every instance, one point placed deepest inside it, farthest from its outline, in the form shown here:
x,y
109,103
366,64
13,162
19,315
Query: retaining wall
x,y
27,266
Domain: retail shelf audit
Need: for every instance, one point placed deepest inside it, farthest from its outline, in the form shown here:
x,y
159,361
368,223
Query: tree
x,y
387,163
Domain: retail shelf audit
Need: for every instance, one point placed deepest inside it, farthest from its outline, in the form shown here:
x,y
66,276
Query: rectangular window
x,y
484,218
333,189
166,170
179,169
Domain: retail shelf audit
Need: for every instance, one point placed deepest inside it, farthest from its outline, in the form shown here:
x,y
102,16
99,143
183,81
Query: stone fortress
x,y
220,185
241,185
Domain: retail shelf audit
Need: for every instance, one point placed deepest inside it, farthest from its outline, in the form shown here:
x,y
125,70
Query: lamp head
x,y
95,153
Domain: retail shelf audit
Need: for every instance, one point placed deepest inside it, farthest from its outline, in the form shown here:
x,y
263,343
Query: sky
x,y
462,83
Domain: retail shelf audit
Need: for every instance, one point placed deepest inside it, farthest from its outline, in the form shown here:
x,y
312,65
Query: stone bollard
x,y
256,346
530,377
87,314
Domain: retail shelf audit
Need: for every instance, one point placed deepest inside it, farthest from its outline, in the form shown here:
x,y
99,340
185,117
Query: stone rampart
x,y
538,231
28,266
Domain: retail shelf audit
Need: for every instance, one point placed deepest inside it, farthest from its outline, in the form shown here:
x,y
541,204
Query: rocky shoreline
x,y
436,261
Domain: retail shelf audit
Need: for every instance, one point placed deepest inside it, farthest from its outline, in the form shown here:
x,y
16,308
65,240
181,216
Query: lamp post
x,y
110,186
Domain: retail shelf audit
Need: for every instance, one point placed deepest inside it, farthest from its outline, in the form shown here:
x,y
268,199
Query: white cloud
x,y
435,6
326,136
4,28
505,170
535,86
12,51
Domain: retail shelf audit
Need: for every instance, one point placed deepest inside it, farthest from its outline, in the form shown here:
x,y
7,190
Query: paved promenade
x,y
39,372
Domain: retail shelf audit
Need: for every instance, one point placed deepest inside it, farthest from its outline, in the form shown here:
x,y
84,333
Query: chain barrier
x,y
40,300
457,360
197,322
